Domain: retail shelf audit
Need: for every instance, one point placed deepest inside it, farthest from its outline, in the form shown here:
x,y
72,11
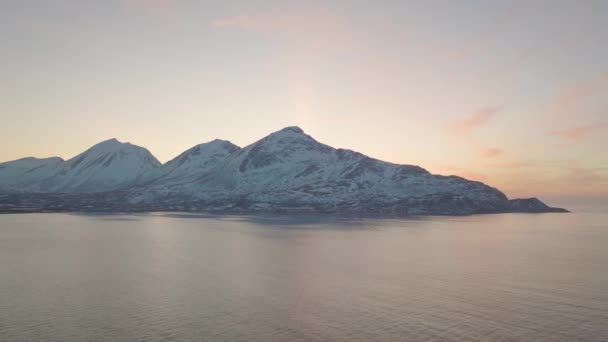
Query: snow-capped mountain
x,y
290,171
22,174
286,171
190,164
107,166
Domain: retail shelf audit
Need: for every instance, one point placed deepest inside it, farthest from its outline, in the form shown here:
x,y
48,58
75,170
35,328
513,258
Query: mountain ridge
x,y
286,171
107,165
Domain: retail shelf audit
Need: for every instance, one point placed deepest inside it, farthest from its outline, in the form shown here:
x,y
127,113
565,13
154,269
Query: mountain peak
x,y
220,142
214,145
110,141
291,129
286,136
289,133
110,144
206,150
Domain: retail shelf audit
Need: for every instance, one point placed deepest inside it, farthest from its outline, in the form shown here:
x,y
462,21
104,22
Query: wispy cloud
x,y
514,164
581,180
489,153
467,125
587,175
556,178
582,132
464,129
571,96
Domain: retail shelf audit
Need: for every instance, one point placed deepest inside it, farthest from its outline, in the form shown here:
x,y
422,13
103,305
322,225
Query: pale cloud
x,y
582,132
514,164
581,180
597,176
489,153
467,125
542,178
571,96
552,178
464,128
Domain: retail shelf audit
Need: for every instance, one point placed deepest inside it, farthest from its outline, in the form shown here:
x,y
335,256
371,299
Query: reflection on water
x,y
186,277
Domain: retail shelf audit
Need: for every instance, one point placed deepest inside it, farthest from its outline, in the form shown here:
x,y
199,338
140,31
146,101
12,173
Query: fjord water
x,y
179,277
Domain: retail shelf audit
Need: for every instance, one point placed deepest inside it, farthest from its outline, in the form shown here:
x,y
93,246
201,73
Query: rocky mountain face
x,y
287,171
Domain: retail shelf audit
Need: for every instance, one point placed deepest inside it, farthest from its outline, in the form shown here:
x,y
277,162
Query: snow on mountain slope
x,y
26,172
106,166
189,164
286,171
289,168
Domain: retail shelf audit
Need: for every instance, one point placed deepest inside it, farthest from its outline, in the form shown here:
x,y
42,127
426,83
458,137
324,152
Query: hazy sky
x,y
512,93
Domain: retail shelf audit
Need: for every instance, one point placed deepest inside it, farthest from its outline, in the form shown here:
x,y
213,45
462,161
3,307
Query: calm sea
x,y
177,277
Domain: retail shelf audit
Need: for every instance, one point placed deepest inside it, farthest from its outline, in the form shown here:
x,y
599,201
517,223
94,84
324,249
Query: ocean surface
x,y
186,277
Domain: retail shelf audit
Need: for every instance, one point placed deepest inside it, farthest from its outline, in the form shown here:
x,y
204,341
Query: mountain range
x,y
286,171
